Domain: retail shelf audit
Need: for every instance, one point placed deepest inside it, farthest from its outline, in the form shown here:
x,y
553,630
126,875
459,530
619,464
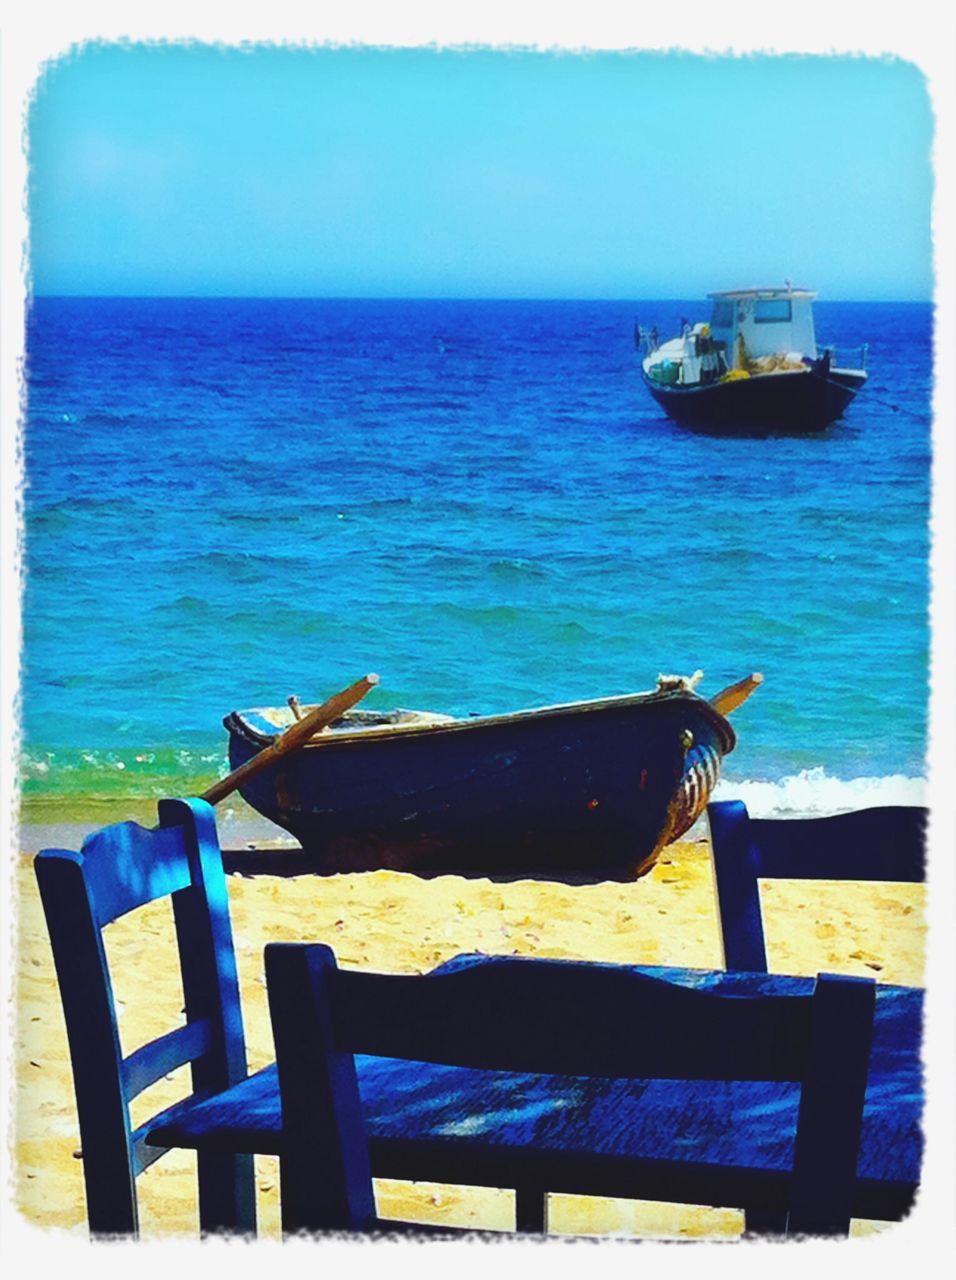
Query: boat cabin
x,y
751,323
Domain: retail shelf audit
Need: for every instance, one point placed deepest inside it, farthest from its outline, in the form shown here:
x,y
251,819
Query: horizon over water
x,y
696,302
229,500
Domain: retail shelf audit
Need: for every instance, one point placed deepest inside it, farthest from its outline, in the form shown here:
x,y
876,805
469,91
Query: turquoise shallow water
x,y
230,501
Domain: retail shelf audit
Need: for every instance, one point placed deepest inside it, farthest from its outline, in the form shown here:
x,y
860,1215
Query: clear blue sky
x,y
163,169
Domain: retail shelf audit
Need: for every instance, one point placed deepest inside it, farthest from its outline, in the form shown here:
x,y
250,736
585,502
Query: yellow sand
x,y
395,923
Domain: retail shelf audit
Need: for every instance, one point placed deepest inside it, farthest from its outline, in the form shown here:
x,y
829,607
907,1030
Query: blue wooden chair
x,y
118,870
886,843
570,1019
229,1116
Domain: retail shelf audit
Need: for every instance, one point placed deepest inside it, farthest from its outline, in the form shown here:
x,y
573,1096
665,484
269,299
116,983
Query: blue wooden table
x,y
680,1141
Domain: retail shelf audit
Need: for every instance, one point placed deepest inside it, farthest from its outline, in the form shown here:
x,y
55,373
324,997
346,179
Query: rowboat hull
x,y
590,790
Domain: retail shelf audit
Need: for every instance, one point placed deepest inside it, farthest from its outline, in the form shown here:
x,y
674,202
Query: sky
x,y
196,169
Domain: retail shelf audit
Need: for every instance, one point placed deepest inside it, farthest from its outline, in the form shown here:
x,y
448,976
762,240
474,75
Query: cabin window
x,y
772,310
723,316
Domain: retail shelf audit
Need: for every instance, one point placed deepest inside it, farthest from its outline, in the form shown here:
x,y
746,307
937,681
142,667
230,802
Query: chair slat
x,y
882,843
563,1018
152,1061
128,866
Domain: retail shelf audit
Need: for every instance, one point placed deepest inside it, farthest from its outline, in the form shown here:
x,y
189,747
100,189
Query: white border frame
x,y
921,31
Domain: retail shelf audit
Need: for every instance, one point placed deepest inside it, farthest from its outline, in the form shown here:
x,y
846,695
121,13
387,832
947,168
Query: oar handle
x,y
729,699
293,738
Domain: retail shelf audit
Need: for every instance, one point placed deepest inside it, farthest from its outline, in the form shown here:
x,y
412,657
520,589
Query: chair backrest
x,y
885,843
552,1017
118,870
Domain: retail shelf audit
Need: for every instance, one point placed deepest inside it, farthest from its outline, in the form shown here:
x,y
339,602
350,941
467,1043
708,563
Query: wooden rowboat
x,y
585,790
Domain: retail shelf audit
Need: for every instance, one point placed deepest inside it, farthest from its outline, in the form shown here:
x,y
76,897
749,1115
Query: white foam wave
x,y
813,793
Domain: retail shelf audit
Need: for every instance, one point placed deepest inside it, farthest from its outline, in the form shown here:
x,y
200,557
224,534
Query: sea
x,y
228,501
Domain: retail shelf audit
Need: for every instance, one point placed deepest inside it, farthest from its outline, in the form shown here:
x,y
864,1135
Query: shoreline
x,y
810,793
66,824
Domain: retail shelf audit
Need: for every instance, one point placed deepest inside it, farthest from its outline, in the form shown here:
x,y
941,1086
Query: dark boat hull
x,y
803,401
588,791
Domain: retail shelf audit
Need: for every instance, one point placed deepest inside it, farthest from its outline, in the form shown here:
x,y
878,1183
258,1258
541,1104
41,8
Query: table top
x,y
698,1142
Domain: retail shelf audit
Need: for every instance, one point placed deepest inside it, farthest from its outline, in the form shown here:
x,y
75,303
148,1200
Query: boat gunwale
x,y
683,389
235,721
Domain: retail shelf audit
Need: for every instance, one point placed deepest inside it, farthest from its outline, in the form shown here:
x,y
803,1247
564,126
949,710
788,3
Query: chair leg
x,y
113,1217
111,1203
531,1209
227,1193
765,1222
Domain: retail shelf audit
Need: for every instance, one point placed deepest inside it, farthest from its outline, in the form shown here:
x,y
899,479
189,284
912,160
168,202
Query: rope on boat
x,y
897,408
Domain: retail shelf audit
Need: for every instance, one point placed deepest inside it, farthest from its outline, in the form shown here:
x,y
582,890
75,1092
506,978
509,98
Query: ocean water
x,y
229,501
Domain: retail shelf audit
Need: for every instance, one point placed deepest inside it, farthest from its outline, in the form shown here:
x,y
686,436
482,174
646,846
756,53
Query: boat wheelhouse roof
x,y
772,291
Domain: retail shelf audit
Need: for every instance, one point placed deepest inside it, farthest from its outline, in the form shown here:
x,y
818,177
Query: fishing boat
x,y
754,366
590,790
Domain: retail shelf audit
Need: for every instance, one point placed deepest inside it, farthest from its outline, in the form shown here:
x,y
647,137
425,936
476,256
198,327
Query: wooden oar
x,y
729,699
293,738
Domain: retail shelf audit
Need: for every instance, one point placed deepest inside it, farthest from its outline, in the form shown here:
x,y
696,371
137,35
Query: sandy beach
x,y
396,923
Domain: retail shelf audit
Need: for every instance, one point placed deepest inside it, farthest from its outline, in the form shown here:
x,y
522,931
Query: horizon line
x,y
412,297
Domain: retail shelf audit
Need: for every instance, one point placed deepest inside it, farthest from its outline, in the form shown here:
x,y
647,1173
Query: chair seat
x,y
484,1128
246,1118
702,1142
